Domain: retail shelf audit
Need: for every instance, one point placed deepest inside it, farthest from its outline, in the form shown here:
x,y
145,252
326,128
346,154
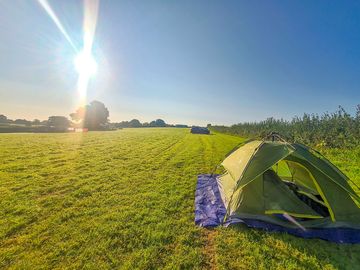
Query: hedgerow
x,y
334,130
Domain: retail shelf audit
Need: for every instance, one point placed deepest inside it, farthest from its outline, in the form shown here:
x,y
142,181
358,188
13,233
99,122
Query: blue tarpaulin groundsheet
x,y
209,208
210,212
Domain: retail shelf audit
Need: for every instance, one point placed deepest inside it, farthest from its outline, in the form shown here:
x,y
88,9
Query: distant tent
x,y
200,130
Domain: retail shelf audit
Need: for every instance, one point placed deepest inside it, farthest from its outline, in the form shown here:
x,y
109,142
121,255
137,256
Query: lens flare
x,y
46,6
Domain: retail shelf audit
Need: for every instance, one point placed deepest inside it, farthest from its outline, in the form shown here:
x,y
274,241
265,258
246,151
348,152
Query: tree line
x,y
93,116
335,130
135,123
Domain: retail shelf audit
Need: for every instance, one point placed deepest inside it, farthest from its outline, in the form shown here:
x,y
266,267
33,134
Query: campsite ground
x,y
125,199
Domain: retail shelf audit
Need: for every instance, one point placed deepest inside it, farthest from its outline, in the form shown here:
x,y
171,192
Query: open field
x,y
125,199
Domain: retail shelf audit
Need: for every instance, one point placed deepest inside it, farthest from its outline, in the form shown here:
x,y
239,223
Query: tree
x,y
36,122
22,122
135,123
122,124
3,119
93,116
59,123
158,123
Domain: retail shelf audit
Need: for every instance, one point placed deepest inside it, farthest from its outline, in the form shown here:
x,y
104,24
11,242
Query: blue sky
x,y
192,62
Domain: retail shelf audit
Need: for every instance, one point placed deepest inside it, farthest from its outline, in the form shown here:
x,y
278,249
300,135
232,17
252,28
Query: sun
x,y
85,64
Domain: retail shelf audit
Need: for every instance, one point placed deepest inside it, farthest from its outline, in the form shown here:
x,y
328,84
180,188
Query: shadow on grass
x,y
274,248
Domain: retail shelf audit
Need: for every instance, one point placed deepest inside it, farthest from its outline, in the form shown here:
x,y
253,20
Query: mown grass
x,y
125,199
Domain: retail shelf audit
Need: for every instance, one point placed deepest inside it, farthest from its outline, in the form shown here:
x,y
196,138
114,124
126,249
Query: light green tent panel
x,y
282,169
236,162
302,176
296,173
265,157
226,186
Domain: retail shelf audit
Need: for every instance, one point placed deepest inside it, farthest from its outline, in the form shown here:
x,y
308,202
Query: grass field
x,y
125,199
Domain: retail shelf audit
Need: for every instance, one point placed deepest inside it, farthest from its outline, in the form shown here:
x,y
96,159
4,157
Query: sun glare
x,y
85,64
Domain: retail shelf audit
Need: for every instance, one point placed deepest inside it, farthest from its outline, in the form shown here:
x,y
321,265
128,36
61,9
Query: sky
x,y
191,62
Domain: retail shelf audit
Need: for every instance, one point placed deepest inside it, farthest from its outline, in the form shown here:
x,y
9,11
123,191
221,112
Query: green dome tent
x,y
267,180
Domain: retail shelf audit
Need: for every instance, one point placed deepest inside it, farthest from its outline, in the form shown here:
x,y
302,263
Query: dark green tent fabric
x,y
249,199
280,199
